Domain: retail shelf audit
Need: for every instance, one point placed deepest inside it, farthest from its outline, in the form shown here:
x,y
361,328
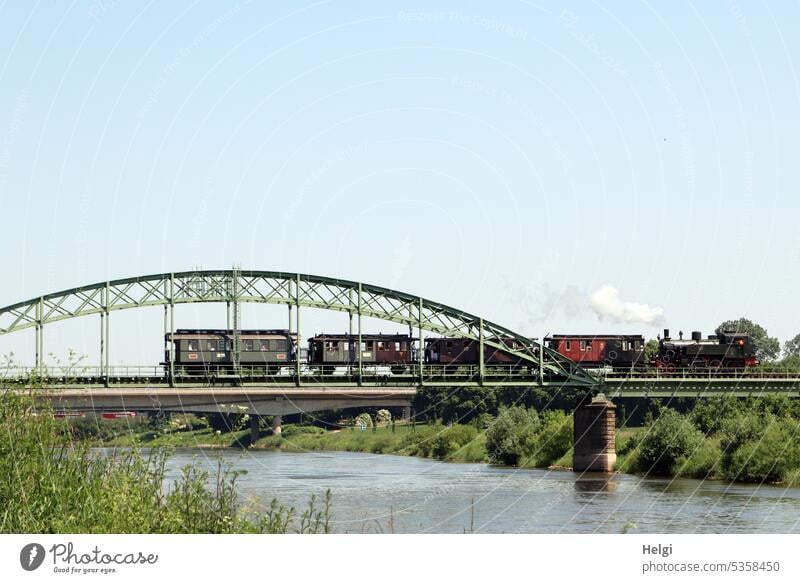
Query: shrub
x,y
554,438
451,439
363,419
292,430
740,429
666,439
768,457
703,462
382,417
512,436
709,414
420,442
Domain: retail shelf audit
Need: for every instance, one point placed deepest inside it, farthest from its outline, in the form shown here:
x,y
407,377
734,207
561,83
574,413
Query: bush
x,y
766,458
292,430
420,442
363,419
740,429
709,414
666,440
382,417
512,436
704,462
451,439
554,438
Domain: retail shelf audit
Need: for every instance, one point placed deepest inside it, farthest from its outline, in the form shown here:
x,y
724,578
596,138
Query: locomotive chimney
x,y
697,336
680,335
666,333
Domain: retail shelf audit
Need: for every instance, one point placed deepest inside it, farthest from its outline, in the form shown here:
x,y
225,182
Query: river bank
x,y
706,457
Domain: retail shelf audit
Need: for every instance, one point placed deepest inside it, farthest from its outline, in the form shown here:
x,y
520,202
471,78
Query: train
x,y
201,351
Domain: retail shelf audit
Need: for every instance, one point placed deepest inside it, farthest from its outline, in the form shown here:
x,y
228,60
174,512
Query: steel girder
x,y
292,289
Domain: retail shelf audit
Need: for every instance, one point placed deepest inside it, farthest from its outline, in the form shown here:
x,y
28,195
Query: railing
x,y
406,374
693,374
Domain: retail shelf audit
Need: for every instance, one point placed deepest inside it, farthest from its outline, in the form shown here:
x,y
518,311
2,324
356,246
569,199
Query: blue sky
x,y
508,159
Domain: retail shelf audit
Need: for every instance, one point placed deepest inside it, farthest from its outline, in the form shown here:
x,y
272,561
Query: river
x,y
384,493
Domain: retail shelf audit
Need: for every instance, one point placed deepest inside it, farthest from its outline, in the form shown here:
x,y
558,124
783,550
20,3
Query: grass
x,y
53,482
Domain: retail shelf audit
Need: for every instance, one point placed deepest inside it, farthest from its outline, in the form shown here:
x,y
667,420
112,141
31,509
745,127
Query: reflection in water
x,y
597,483
385,493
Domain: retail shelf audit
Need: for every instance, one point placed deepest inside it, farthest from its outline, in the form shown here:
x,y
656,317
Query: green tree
x,y
512,436
669,438
767,347
650,349
791,348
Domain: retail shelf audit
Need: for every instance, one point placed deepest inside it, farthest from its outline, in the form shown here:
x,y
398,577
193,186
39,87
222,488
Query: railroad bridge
x,y
299,386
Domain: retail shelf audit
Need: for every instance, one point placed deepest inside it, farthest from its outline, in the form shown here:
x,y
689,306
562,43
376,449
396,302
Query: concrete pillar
x,y
406,414
276,424
594,436
254,427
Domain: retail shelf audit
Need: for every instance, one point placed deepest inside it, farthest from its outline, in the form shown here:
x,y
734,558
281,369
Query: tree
x,y
666,441
650,350
512,436
767,347
792,347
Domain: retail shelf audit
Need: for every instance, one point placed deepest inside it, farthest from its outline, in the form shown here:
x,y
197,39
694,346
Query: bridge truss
x,y
541,365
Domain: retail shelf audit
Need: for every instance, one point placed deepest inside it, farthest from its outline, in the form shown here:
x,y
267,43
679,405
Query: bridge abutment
x,y
594,436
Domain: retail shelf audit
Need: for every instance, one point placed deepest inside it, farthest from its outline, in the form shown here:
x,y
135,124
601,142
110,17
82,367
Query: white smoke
x,y
606,304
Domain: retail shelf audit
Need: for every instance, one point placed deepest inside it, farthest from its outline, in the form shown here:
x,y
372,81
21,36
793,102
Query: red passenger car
x,y
596,350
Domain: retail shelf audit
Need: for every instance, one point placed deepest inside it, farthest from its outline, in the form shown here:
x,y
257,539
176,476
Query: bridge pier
x,y
255,422
276,424
594,436
406,414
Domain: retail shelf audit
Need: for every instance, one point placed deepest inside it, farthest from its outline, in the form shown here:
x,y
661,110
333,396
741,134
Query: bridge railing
x,y
404,374
694,374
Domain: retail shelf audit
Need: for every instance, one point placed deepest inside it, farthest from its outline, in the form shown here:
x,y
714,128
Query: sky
x,y
517,160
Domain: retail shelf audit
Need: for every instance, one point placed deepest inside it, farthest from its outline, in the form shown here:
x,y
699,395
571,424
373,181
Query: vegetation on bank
x,y
746,440
51,482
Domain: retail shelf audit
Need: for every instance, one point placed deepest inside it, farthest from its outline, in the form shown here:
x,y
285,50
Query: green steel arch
x,y
291,289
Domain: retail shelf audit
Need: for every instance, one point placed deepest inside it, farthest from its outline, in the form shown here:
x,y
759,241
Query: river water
x,y
385,493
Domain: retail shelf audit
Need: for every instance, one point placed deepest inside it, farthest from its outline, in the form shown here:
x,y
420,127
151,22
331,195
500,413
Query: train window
x,y
383,346
583,345
264,345
248,346
369,344
279,345
588,345
331,346
567,345
448,344
397,346
211,345
192,345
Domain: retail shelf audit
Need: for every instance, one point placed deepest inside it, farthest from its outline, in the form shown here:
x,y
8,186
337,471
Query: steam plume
x,y
606,303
